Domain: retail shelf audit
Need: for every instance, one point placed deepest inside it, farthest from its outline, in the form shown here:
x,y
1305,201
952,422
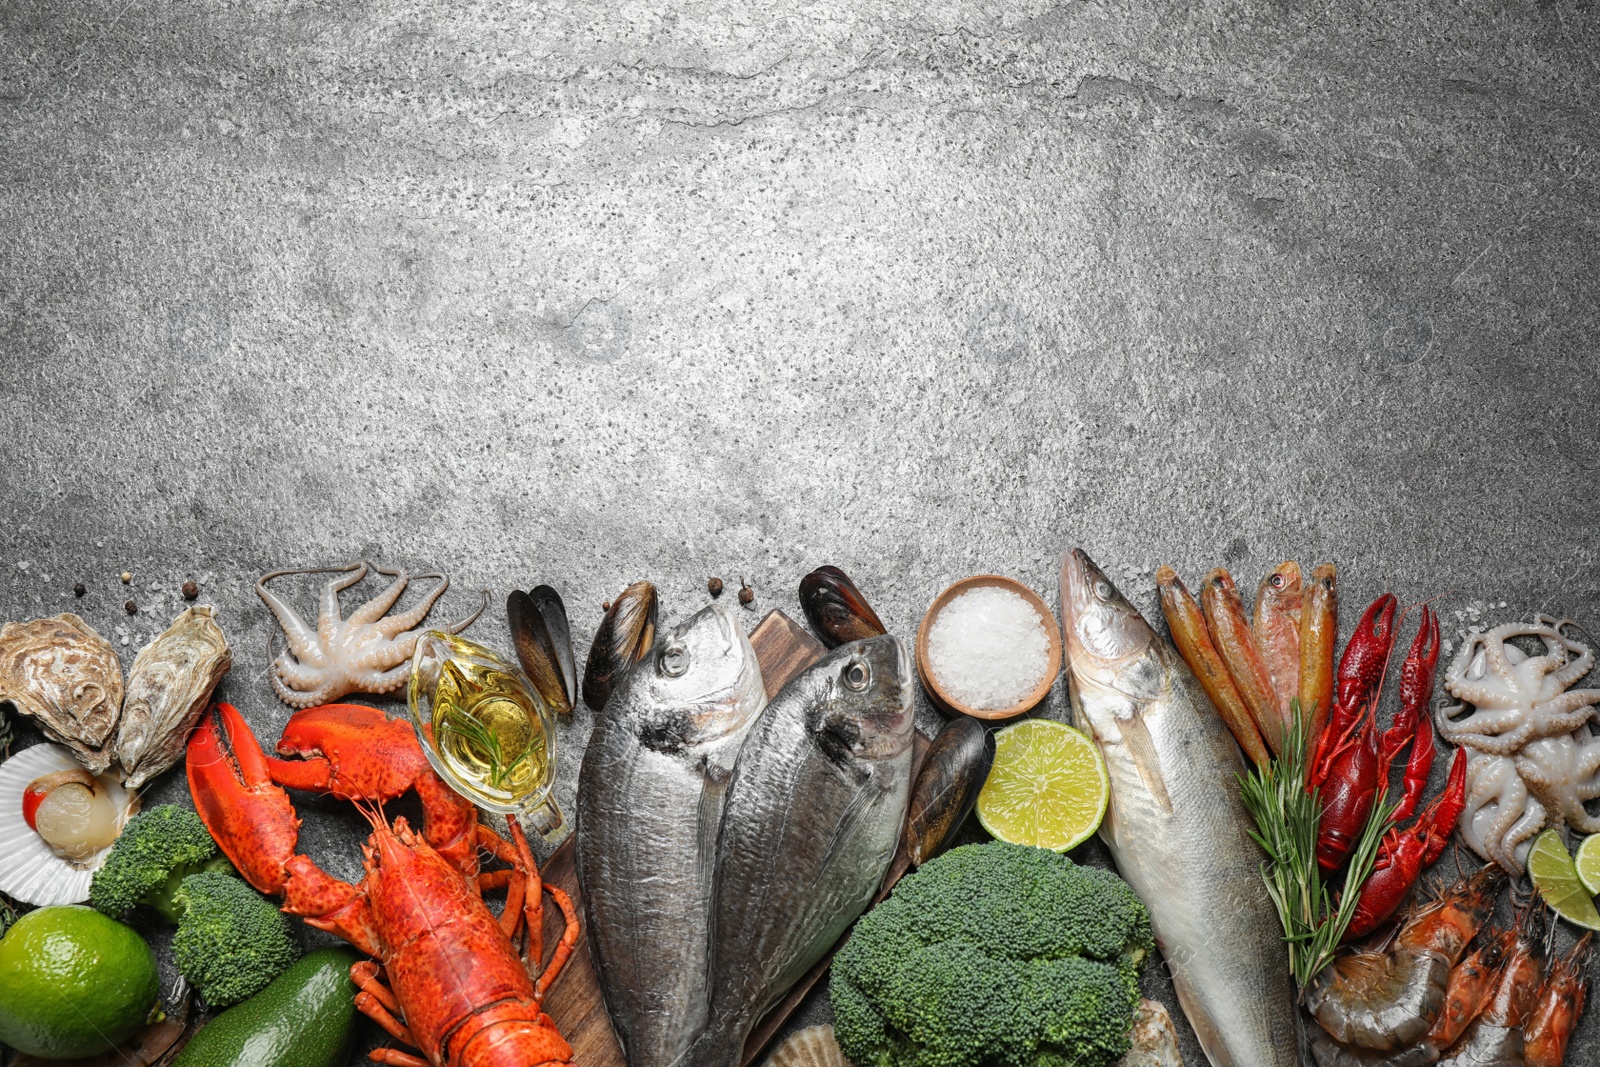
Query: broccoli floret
x,y
995,955
157,850
231,940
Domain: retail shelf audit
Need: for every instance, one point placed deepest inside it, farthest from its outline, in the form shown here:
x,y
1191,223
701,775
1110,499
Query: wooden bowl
x,y
1052,634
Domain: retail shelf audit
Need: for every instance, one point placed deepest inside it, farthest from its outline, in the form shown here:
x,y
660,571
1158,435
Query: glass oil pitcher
x,y
485,729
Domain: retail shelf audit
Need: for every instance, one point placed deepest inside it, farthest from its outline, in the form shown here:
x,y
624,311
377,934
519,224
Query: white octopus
x,y
369,652
1534,759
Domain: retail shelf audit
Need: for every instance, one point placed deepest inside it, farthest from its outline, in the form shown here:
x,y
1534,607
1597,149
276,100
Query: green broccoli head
x,y
993,954
231,940
156,851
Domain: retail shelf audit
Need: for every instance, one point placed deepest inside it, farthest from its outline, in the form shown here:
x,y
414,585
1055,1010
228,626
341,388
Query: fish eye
x,y
1102,591
856,676
1277,581
674,661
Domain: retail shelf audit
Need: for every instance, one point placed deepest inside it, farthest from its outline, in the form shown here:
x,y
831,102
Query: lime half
x,y
1555,876
1588,861
1048,786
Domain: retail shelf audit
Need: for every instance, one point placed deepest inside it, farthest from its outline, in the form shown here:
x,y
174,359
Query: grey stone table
x,y
582,292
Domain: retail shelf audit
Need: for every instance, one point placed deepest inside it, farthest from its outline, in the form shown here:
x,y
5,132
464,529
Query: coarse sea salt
x,y
988,648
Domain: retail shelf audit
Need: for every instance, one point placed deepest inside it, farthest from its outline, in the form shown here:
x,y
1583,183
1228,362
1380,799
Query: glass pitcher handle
x,y
544,819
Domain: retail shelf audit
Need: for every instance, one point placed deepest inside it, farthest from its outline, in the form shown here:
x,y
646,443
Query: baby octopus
x,y
1534,759
367,653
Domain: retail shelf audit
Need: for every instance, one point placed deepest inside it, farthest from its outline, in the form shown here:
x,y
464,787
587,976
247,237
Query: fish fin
x,y
842,833
1142,750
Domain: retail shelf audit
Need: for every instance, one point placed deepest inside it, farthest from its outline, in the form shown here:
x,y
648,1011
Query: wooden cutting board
x,y
783,649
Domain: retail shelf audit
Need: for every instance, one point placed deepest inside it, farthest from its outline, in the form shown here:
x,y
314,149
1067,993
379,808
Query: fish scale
x,y
1176,826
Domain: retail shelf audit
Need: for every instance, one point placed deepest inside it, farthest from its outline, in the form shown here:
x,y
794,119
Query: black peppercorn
x,y
190,590
130,607
78,589
714,586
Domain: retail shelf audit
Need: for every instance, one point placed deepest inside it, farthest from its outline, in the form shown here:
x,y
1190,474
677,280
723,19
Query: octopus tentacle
x,y
1533,820
386,681
302,639
328,618
396,624
379,606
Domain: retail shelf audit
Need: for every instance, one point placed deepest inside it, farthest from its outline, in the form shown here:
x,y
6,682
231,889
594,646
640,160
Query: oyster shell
x,y
169,685
66,676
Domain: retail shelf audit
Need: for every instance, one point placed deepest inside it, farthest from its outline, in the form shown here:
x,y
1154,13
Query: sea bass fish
x,y
811,823
650,796
1176,826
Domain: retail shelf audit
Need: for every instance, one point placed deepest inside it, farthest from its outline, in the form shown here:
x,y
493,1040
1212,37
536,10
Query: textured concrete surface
x,y
587,292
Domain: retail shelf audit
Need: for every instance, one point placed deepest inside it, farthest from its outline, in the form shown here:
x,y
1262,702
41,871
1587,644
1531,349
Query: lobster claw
x,y
255,825
250,817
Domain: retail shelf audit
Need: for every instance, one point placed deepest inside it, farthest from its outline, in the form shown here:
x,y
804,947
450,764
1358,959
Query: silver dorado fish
x,y
811,824
650,796
1176,826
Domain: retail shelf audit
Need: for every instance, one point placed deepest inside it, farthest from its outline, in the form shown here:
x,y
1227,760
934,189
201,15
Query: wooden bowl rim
x,y
1052,633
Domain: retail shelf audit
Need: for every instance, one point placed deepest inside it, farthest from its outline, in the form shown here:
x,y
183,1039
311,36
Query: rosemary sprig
x,y
1287,818
487,745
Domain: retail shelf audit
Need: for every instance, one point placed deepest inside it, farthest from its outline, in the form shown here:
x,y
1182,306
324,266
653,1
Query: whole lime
x,y
73,983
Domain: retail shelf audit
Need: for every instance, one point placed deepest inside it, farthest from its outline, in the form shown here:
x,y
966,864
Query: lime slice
x,y
1047,788
1588,861
1556,878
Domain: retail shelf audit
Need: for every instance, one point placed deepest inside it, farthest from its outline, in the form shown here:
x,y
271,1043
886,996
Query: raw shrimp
x,y
1327,1052
1471,983
1559,1007
1388,1000
1494,1038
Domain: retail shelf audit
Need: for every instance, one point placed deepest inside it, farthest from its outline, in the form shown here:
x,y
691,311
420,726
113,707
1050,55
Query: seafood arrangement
x,y
725,842
1177,828
1534,758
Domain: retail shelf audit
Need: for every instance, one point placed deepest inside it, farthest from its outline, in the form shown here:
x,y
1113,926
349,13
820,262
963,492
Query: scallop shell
x,y
812,1047
66,676
169,686
32,872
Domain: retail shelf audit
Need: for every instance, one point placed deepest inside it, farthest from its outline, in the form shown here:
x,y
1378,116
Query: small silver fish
x,y
1176,827
650,796
811,824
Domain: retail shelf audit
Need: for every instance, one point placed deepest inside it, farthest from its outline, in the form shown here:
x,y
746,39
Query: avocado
x,y
305,1018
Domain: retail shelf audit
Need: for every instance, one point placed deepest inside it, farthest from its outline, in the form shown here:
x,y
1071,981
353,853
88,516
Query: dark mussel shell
x,y
625,635
543,639
947,787
836,608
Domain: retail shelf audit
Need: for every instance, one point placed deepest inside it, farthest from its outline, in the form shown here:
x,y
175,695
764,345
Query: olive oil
x,y
486,731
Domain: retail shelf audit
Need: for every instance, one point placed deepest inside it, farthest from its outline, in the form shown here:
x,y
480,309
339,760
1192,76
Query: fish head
x,y
1103,633
1284,586
700,682
864,710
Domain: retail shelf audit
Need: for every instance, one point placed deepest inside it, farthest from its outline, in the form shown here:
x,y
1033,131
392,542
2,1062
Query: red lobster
x,y
456,988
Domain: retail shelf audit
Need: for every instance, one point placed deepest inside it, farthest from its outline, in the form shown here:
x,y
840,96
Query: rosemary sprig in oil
x,y
486,743
1287,818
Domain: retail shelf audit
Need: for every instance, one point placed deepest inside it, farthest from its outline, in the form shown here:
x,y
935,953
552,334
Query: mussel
x,y
625,635
836,608
947,787
543,640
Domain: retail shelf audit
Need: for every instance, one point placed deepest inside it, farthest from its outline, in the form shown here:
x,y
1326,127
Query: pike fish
x,y
1176,826
811,823
650,797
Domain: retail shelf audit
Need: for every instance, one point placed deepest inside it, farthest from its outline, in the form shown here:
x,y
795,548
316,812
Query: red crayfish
x,y
1352,761
456,989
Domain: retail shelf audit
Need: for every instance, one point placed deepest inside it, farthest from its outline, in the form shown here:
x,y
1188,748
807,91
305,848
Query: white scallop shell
x,y
29,870
814,1046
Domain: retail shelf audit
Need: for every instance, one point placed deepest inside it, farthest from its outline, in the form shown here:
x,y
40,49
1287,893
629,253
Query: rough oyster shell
x,y
66,676
169,685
